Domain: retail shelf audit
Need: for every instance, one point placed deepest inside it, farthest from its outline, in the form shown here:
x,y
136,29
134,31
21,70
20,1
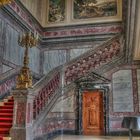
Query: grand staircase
x,y
6,117
58,82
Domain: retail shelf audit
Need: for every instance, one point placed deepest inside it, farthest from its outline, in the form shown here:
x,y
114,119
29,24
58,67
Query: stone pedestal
x,y
23,115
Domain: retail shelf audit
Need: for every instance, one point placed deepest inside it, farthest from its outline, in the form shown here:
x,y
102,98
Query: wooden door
x,y
92,113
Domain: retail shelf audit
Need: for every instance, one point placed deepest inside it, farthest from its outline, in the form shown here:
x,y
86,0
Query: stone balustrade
x,y
93,59
45,94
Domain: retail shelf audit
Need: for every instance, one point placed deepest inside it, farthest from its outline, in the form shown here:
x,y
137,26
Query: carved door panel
x,y
92,113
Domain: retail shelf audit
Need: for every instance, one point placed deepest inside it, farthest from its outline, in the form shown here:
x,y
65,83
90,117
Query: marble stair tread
x,y
6,138
1,103
7,107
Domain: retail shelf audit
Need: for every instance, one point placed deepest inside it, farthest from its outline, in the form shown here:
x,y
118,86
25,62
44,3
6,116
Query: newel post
x,y
23,94
23,115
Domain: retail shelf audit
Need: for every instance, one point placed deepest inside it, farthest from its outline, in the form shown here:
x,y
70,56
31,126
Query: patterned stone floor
x,y
77,137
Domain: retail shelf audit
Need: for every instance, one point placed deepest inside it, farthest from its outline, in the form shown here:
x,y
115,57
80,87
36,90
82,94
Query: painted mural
x,y
56,11
94,8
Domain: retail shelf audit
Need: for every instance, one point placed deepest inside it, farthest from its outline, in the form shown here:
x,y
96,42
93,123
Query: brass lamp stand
x,y
24,79
4,2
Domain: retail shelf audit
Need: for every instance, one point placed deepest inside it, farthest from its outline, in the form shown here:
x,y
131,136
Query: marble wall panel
x,y
53,59
138,82
34,62
15,53
64,105
5,68
122,91
76,52
12,51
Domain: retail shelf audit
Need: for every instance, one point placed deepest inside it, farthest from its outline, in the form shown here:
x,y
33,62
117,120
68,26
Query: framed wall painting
x,y
95,11
76,12
56,11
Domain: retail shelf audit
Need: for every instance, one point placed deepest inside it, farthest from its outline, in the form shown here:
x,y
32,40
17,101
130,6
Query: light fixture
x,y
24,79
4,2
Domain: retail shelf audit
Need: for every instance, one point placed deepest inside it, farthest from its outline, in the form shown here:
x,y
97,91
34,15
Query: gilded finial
x,y
4,2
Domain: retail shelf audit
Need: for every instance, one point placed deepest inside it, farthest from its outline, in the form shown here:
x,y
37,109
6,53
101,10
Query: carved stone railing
x,y
7,82
93,59
44,94
45,90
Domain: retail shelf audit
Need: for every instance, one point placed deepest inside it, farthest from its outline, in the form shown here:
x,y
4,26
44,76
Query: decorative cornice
x,y
84,31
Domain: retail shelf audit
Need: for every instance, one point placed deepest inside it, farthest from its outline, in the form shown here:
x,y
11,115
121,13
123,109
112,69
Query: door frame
x,y
104,89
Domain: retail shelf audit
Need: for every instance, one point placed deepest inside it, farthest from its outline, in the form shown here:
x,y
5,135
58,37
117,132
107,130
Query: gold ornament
x,y
24,79
4,2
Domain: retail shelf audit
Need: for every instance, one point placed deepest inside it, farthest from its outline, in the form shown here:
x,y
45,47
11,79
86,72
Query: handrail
x,y
9,73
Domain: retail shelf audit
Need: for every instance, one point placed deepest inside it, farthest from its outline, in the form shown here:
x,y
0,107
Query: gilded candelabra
x,y
24,79
4,2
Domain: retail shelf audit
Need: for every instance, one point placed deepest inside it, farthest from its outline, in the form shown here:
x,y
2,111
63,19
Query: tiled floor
x,y
76,137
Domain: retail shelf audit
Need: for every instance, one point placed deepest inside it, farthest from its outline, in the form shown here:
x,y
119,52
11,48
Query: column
x,y
23,115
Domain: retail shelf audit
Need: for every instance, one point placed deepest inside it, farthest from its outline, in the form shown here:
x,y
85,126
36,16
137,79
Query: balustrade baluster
x,y
46,93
